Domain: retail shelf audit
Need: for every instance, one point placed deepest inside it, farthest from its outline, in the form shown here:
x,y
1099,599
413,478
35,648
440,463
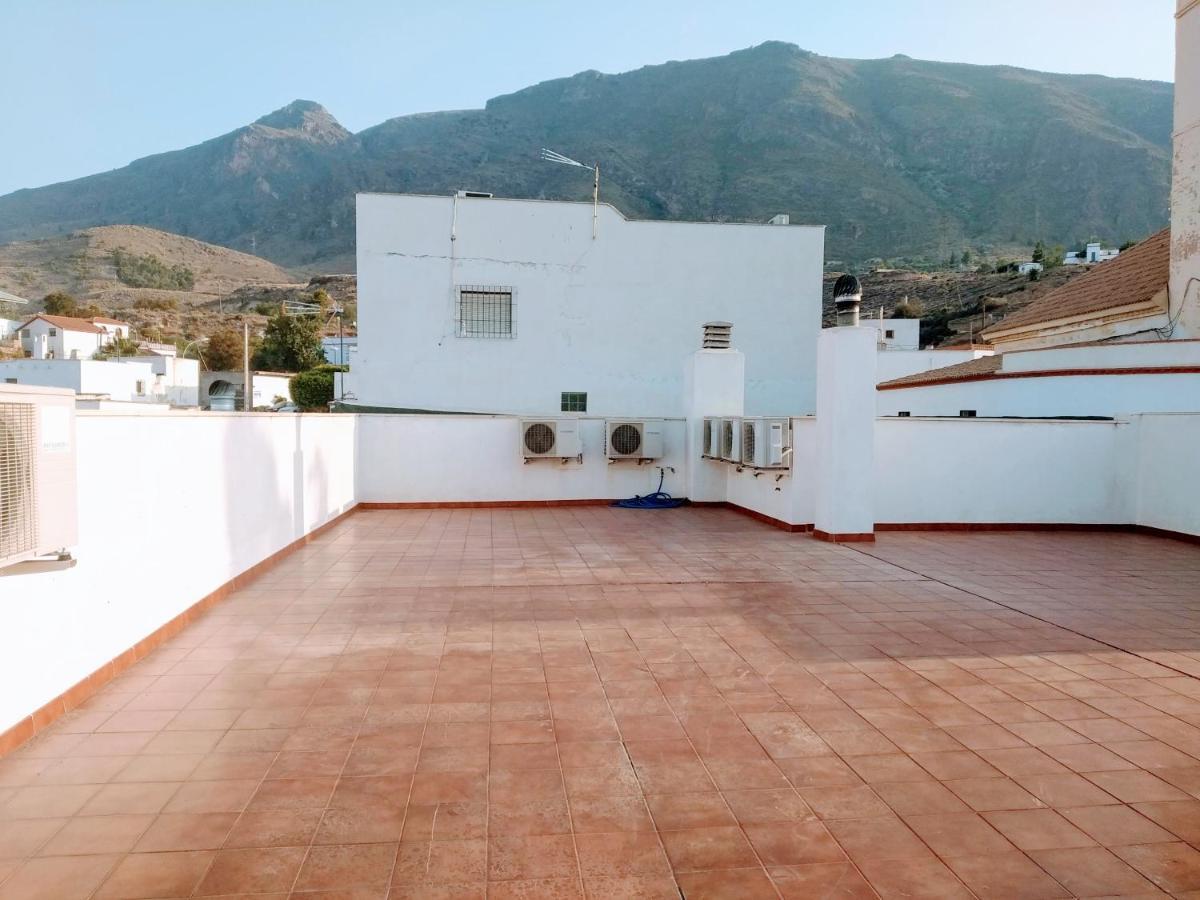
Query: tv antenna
x,y
336,311
555,157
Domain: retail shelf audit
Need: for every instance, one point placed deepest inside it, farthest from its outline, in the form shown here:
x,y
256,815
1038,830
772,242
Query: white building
x,y
489,305
128,380
9,328
61,337
1093,253
176,380
1026,267
114,328
896,334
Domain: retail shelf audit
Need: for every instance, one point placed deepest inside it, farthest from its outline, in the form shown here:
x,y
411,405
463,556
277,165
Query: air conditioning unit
x,y
37,472
550,439
731,440
766,442
634,439
710,446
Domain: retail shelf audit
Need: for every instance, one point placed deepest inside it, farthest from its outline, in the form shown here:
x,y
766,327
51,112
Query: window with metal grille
x,y
18,522
574,401
486,312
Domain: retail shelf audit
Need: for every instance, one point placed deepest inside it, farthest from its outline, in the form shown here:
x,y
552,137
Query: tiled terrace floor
x,y
641,704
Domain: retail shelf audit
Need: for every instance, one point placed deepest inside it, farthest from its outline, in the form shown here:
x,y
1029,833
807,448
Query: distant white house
x,y
63,337
1093,253
1026,267
896,334
123,381
9,328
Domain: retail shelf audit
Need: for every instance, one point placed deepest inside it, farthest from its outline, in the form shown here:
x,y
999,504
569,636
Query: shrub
x,y
60,303
151,272
290,344
314,389
907,309
161,304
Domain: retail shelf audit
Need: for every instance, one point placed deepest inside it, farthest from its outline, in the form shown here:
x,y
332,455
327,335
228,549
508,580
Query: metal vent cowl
x,y
539,438
748,441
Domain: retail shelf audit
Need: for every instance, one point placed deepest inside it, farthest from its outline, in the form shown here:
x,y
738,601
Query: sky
x,y
91,85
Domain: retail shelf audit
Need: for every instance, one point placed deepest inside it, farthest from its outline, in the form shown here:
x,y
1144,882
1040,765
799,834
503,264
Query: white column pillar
x,y
845,459
714,385
1185,185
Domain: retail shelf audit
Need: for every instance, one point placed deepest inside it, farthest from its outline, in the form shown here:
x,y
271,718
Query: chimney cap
x,y
847,287
717,335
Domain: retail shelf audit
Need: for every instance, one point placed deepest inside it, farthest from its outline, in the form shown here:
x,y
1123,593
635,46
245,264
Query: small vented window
x,y
574,401
485,312
889,333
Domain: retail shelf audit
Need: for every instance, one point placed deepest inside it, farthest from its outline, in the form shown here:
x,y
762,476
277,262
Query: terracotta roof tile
x,y
1133,277
66,323
985,365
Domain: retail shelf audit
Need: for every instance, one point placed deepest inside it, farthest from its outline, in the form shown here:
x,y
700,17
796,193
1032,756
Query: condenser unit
x,y
766,443
550,439
710,446
640,439
731,439
37,472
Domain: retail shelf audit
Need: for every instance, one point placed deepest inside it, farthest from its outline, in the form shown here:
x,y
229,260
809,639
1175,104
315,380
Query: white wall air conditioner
x,y
37,472
550,439
710,445
731,440
640,439
766,442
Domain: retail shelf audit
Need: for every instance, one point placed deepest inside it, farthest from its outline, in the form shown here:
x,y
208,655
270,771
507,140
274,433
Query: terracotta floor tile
x,y
759,807
1173,867
642,887
441,862
793,843
1007,876
1060,791
533,857
926,878
844,802
597,815
345,866
250,871
1092,872
919,798
621,855
958,834
57,878
701,849
20,838
97,835
983,794
548,888
831,881
1135,786
727,884
147,875
677,812
885,837
1038,829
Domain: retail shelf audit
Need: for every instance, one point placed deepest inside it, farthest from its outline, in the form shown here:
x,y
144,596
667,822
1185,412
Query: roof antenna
x,y
554,157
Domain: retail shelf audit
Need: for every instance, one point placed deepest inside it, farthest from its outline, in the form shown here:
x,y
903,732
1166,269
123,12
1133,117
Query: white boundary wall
x,y
1167,462
171,507
457,459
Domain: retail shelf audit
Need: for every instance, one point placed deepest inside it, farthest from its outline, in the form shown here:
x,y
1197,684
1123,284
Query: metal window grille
x,y
486,312
18,521
574,401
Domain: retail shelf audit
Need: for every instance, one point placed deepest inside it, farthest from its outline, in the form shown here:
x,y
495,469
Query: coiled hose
x,y
658,500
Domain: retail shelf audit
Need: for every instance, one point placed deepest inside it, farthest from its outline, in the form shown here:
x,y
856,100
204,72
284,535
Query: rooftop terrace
x,y
588,701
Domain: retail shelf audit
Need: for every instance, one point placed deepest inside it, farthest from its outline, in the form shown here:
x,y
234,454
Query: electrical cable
x,y
658,500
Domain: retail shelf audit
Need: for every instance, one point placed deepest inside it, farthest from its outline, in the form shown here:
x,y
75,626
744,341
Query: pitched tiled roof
x,y
1133,277
972,368
67,324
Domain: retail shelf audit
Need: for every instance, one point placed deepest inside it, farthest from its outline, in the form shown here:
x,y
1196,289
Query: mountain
x,y
900,158
83,263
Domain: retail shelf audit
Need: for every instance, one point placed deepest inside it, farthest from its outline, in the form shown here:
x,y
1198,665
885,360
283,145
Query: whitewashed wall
x,y
1168,482
794,502
170,508
419,459
1056,395
118,380
1004,471
614,316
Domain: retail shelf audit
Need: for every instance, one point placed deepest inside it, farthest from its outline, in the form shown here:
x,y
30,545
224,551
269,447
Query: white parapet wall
x,y
171,507
1168,486
1005,471
465,459
788,496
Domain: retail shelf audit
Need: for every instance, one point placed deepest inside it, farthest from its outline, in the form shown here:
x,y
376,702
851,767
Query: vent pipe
x,y
718,335
847,297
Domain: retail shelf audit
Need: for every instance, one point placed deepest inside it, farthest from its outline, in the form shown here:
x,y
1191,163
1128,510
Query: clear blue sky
x,y
89,85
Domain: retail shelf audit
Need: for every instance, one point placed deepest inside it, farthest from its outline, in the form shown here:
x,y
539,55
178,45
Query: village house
x,y
62,337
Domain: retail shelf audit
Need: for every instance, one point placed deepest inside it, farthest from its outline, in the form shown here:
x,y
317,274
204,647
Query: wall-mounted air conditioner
x,y
550,439
640,439
710,446
37,472
731,439
766,442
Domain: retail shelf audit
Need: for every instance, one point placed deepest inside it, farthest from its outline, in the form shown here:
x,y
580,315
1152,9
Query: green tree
x,y
313,389
290,344
60,303
118,347
966,257
1055,257
1039,252
223,352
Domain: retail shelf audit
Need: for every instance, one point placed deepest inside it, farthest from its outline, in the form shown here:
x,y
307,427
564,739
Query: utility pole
x,y
248,389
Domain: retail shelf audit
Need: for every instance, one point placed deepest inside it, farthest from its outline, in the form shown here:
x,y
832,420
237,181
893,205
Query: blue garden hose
x,y
658,500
